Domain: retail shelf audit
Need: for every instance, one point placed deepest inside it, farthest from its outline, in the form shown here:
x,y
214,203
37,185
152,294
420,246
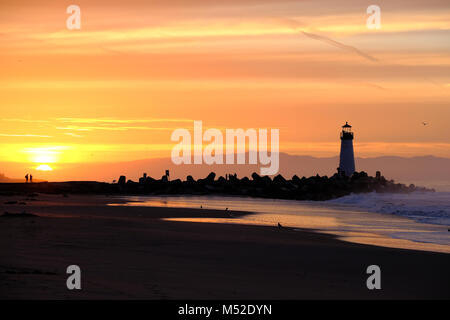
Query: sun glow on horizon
x,y
44,167
43,155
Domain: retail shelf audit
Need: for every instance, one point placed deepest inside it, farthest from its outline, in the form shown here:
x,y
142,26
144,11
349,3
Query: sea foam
x,y
424,207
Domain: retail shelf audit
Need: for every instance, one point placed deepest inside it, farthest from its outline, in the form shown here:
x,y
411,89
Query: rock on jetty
x,y
312,188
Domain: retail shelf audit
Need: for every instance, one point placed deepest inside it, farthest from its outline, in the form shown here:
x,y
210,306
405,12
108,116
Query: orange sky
x,y
117,88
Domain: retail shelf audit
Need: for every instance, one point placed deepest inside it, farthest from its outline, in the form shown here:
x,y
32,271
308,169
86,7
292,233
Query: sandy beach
x,y
131,253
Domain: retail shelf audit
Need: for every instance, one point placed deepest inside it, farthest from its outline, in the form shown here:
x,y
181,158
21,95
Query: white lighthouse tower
x,y
347,158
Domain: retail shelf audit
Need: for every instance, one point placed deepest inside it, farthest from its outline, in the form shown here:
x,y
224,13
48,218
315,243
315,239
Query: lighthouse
x,y
347,158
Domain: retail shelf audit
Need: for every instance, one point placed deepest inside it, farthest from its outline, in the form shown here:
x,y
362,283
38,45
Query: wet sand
x,y
131,253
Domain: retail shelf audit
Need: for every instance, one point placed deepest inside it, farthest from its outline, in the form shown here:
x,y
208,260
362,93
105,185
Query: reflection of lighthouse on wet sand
x,y
347,158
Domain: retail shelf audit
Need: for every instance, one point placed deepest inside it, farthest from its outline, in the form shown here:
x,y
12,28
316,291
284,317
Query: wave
x,y
424,207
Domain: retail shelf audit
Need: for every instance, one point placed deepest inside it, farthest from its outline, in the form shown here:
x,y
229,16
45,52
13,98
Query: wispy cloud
x,y
114,124
24,135
73,135
25,120
112,120
73,128
112,128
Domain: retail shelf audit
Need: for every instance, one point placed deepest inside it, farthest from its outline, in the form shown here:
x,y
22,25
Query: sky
x,y
117,88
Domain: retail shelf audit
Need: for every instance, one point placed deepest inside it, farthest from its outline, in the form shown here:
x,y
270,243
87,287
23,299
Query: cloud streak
x,y
25,120
73,135
110,120
120,128
24,135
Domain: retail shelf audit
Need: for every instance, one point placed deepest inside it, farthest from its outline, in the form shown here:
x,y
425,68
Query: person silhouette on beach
x,y
26,178
31,178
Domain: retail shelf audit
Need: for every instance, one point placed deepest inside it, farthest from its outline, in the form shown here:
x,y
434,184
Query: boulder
x,y
122,180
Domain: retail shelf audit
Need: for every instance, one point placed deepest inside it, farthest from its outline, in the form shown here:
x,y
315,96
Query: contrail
x,y
298,25
376,86
340,45
355,50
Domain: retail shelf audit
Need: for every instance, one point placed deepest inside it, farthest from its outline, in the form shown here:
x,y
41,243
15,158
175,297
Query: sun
x,y
44,167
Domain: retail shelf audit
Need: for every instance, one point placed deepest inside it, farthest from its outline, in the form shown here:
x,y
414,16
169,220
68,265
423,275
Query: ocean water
x,y
424,207
413,221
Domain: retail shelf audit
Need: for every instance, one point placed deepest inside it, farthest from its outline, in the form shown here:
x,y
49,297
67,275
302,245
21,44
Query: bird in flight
x,y
424,123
